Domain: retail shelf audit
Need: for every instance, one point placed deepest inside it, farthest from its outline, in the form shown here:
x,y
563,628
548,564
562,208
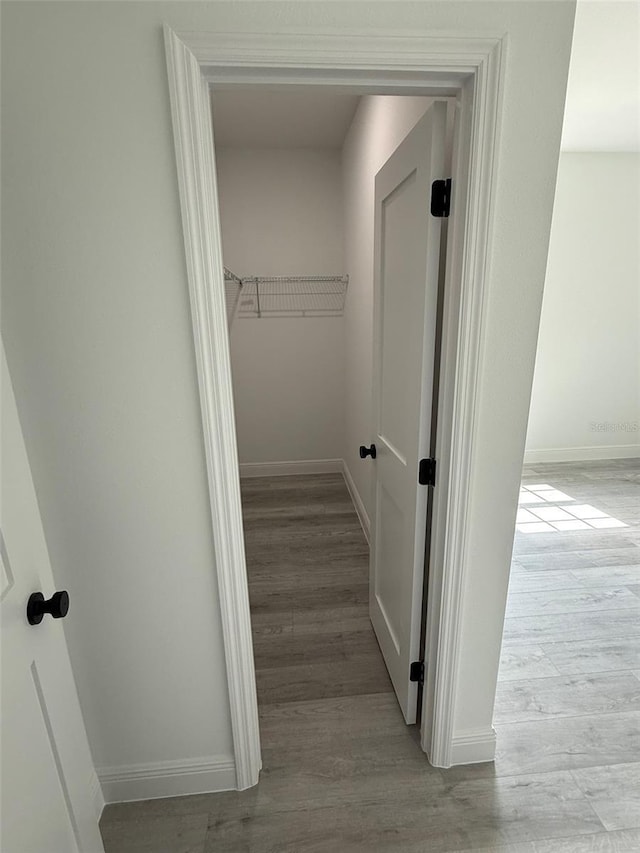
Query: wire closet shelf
x,y
285,296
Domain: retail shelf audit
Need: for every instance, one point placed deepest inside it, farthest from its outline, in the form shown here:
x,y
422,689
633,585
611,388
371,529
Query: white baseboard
x,y
97,797
168,779
357,502
583,454
282,469
474,747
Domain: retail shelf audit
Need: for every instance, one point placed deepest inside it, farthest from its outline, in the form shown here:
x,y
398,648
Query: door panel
x,y
390,543
396,319
47,772
407,247
50,826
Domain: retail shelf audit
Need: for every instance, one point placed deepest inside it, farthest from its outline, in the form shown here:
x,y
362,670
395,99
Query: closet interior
x,y
296,170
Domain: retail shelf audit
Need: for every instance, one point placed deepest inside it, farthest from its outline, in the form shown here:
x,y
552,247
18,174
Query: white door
x,y
48,779
407,248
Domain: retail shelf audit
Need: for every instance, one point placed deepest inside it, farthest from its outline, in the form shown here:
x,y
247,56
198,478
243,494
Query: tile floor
x,y
342,772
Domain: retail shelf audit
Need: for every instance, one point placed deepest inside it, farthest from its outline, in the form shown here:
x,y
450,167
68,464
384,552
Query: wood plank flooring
x,y
308,566
342,772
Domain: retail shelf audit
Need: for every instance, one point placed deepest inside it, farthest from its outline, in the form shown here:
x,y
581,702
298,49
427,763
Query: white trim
x,y
474,747
583,454
97,796
190,107
473,66
428,62
467,274
168,779
357,502
285,469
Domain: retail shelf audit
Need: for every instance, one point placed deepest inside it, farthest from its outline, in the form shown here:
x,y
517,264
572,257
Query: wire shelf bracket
x,y
232,290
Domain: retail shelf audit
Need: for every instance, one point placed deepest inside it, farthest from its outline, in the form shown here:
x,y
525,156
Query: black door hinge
x,y
441,197
416,671
427,472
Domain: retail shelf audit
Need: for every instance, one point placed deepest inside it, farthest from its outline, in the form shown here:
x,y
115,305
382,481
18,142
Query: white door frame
x,y
470,67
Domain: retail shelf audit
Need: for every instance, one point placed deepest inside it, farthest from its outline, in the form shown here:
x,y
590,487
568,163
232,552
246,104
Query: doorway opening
x,y
297,192
571,644
471,69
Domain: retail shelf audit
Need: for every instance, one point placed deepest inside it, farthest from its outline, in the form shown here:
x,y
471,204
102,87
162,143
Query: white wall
x,y
98,337
281,212
379,126
586,391
603,91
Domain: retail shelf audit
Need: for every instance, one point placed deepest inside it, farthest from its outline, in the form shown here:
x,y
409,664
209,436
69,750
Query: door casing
x,y
470,68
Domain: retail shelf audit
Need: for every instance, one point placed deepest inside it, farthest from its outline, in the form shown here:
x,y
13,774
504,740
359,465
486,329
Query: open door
x,y
407,248
48,780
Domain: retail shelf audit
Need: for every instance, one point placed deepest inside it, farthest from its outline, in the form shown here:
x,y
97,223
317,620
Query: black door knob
x,y
367,451
57,606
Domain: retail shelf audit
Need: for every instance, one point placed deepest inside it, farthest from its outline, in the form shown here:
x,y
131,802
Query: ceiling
x,y
603,95
259,117
602,109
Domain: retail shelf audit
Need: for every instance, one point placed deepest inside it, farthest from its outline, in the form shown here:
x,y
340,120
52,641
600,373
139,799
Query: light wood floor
x,y
342,772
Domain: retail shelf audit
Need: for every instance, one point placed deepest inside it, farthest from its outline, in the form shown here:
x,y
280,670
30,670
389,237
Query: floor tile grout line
x,y
589,674
565,717
573,776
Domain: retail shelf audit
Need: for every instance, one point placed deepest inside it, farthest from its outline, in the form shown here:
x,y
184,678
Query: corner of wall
x,y
357,501
97,796
473,747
